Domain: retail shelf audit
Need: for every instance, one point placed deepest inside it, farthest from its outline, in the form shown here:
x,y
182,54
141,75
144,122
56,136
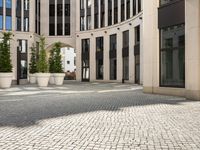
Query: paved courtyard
x,y
96,116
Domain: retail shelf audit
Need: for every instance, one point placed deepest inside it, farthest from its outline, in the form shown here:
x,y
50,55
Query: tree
x,y
42,64
33,62
5,60
55,61
57,58
52,61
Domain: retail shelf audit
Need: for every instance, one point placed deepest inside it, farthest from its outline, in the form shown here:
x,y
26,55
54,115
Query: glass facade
x,y
172,56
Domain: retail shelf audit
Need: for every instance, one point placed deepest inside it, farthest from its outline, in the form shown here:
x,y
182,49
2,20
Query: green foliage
x,y
42,64
55,60
5,60
33,62
52,60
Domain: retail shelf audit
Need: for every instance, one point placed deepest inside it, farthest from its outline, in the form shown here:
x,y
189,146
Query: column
x,y
13,14
92,14
78,59
32,16
150,45
131,54
192,49
92,58
119,56
106,60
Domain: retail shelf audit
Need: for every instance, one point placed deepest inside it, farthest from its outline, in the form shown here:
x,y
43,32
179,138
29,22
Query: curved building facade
x,y
109,41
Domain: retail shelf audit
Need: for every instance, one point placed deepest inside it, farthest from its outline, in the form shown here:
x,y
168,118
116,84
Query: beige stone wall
x,y
106,32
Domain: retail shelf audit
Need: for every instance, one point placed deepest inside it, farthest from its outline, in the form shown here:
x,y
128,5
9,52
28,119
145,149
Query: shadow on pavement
x,y
29,112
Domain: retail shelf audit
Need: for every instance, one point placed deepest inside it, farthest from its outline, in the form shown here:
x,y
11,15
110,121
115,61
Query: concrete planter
x,y
52,80
43,79
32,78
6,80
59,78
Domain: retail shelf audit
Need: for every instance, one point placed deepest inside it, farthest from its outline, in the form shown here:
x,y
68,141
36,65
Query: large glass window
x,y
85,60
134,7
82,23
96,15
163,2
102,5
139,6
137,35
23,44
67,17
172,56
26,4
52,17
1,3
128,9
82,4
88,22
126,55
1,22
89,3
59,17
113,59
8,3
122,10
109,12
8,23
26,24
99,58
115,11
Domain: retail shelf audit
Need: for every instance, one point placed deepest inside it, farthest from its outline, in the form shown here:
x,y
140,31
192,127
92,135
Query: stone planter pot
x,y
43,79
32,78
6,80
59,78
52,80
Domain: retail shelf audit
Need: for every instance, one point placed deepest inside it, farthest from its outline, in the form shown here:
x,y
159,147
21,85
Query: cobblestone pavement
x,y
96,116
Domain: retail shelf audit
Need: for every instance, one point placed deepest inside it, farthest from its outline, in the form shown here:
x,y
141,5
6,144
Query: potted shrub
x,y
32,66
43,74
51,66
57,65
6,74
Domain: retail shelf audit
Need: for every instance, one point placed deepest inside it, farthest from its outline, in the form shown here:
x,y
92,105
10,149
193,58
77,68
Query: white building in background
x,y
68,59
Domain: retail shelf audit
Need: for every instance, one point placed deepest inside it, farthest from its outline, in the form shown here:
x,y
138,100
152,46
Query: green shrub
x,y
33,62
5,60
55,60
42,64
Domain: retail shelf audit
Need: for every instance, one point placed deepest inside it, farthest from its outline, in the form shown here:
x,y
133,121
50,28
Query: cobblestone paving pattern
x,y
96,116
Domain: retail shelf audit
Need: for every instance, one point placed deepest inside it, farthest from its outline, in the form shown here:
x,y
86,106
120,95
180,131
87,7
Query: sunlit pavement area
x,y
96,116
